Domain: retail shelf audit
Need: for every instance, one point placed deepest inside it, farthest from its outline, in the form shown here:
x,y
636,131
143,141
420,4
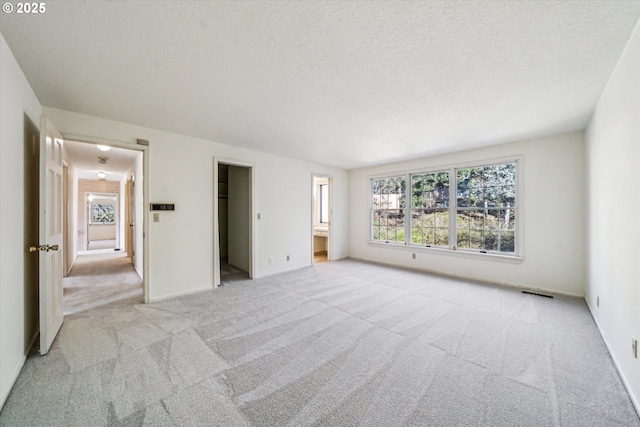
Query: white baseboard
x,y
262,276
179,294
475,279
634,399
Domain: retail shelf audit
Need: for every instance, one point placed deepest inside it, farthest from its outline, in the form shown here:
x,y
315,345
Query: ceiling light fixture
x,y
103,147
102,175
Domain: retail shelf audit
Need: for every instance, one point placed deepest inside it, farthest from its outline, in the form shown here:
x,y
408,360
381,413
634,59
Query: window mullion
x,y
408,205
453,206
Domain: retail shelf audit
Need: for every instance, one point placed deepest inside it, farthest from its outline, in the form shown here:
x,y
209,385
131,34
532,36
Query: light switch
x,y
259,216
156,217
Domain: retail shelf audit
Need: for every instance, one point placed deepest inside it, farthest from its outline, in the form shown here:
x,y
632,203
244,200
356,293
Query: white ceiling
x,y
347,83
85,157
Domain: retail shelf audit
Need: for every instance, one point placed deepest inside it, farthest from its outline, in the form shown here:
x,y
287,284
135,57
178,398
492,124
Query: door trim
x,y
145,195
252,225
329,178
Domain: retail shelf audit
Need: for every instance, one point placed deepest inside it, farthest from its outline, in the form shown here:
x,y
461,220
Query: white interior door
x,y
51,234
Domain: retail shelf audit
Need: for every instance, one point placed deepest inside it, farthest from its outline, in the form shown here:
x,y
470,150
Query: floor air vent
x,y
538,294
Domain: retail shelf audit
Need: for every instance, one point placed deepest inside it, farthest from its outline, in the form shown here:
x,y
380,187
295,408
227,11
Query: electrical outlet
x,y
598,301
156,217
288,257
413,256
270,261
259,215
634,347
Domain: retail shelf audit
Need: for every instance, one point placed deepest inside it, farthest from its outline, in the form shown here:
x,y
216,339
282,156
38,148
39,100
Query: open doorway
x,y
101,225
234,221
321,218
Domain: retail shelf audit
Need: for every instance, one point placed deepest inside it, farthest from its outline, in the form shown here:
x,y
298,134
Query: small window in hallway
x,y
102,213
324,203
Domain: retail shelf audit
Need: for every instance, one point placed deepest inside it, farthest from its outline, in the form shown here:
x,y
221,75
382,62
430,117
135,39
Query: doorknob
x,y
46,248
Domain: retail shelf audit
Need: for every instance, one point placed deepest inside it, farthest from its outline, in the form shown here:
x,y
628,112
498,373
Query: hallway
x,y
96,280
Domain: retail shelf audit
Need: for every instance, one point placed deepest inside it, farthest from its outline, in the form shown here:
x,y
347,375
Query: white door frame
x,y
329,178
145,195
216,229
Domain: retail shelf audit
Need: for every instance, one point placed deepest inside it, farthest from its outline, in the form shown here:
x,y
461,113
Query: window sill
x,y
513,259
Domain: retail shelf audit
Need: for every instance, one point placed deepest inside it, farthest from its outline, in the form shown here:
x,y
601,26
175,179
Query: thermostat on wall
x,y
163,207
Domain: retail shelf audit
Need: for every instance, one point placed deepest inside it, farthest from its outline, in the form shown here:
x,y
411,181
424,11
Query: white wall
x,y
223,226
16,100
136,170
72,239
140,209
122,225
239,217
613,158
181,172
551,202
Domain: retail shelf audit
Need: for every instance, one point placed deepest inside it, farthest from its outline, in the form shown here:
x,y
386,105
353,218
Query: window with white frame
x,y
430,209
486,208
480,218
102,213
324,204
388,205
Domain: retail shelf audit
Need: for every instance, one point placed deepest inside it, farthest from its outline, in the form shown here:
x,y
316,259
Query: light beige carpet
x,y
338,344
96,280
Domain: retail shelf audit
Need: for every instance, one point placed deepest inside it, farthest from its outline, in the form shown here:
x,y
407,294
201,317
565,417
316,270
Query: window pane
x,y
383,233
430,199
376,201
417,236
376,218
475,239
491,240
486,200
424,225
103,213
429,236
442,236
442,218
430,190
462,220
462,238
387,200
417,191
428,218
476,220
492,219
507,241
508,219
324,203
376,186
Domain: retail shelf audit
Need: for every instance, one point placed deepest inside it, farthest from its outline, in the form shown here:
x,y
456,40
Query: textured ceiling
x,y
86,158
346,83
